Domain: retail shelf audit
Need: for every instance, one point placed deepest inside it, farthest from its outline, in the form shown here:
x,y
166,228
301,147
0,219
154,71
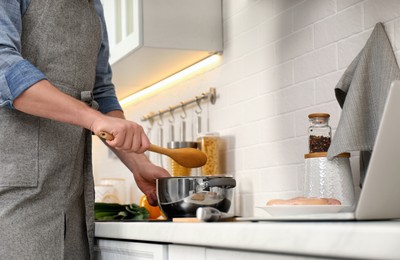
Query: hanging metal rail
x,y
211,95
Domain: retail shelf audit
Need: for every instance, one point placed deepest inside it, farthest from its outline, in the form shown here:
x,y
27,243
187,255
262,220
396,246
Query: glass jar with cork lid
x,y
319,132
329,178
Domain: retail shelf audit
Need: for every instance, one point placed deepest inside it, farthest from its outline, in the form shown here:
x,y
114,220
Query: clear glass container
x,y
210,145
319,132
329,178
120,191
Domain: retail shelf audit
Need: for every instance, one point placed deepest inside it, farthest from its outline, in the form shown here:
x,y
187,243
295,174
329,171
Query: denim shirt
x,y
18,74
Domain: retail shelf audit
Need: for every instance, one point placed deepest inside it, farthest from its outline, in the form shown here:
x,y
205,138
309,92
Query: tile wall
x,y
282,60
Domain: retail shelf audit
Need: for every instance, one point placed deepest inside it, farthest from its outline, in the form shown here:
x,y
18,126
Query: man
x,y
54,73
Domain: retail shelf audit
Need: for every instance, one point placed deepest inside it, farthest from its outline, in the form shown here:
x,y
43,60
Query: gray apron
x,y
46,182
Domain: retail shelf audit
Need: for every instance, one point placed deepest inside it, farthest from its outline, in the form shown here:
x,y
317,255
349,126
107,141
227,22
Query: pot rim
x,y
194,177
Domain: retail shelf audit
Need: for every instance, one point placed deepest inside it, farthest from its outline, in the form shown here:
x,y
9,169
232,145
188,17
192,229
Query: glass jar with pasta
x,y
210,145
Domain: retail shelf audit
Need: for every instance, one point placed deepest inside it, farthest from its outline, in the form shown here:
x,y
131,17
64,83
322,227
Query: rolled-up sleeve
x,y
16,73
104,89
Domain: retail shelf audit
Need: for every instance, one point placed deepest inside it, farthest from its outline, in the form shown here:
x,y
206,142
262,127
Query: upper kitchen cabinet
x,y
153,39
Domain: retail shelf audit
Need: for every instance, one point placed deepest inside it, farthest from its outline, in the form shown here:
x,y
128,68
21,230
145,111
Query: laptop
x,y
380,196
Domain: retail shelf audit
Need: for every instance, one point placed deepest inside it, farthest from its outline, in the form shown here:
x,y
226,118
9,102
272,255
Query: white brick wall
x,y
282,60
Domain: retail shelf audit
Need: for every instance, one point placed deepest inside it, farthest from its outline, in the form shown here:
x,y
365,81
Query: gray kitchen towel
x,y
362,93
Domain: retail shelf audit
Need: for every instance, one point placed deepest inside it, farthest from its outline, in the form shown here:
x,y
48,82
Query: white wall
x,y
282,60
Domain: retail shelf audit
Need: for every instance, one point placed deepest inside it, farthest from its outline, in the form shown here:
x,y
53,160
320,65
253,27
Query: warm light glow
x,y
163,83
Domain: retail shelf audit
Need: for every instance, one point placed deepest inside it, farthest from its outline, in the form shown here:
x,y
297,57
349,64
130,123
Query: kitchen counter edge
x,y
347,239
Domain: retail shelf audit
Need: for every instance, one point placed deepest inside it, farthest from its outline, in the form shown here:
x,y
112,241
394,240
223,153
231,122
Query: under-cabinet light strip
x,y
211,95
175,77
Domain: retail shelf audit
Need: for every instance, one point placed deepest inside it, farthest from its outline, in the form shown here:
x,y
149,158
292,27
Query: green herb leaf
x,y
113,211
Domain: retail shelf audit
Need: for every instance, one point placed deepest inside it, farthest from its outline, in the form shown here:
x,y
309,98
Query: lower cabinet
x,y
121,250
106,249
181,252
178,252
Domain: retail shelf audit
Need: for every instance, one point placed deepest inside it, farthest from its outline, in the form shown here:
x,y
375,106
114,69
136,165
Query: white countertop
x,y
342,239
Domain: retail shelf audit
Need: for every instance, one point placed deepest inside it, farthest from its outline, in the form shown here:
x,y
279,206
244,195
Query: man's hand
x,y
128,136
146,176
144,172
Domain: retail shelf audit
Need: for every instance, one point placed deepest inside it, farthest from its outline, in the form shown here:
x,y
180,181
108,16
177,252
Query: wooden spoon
x,y
187,157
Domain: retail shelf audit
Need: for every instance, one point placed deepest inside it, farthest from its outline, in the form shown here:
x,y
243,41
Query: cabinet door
x,y
219,254
123,250
123,20
179,252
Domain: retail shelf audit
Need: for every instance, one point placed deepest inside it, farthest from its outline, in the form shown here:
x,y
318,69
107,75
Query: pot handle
x,y
220,182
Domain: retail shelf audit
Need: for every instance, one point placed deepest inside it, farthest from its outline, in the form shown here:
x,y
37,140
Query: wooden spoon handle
x,y
158,149
187,157
153,148
106,136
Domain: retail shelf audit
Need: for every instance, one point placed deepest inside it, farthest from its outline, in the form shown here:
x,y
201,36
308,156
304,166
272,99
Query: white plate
x,y
291,210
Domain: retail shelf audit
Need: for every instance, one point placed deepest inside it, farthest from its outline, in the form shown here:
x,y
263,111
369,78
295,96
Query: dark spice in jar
x,y
319,132
319,143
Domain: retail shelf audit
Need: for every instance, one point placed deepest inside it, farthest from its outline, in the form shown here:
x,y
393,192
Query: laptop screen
x,y
380,195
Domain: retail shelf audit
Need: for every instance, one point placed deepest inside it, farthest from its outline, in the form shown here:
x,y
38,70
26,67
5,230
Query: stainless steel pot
x,y
182,196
